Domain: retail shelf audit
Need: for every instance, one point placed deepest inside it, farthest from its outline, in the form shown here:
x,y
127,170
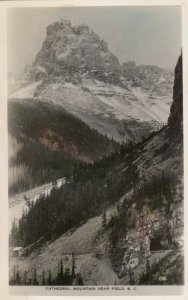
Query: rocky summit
x,y
95,167
76,70
69,51
118,221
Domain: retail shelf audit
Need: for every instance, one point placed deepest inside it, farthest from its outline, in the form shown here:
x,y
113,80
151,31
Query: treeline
x,y
31,122
42,163
31,118
90,189
52,140
118,223
157,192
60,276
130,149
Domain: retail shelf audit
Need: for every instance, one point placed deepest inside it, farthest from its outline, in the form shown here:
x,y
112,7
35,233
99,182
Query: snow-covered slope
x,y
151,79
75,69
109,108
26,92
113,110
147,216
17,203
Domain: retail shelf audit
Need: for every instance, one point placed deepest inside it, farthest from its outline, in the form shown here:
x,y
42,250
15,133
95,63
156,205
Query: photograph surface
x,y
95,144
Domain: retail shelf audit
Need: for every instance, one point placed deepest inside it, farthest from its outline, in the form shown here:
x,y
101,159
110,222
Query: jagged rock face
x,y
151,230
155,80
76,70
68,50
175,121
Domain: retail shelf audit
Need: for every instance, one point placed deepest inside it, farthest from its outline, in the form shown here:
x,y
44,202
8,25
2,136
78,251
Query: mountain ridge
x,y
76,69
135,232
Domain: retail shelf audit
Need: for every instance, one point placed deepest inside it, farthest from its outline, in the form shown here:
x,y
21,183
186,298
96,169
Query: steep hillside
x,y
153,213
137,235
45,142
75,69
175,121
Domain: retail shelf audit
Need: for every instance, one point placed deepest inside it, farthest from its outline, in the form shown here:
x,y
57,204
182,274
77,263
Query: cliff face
x,y
143,233
76,70
151,79
69,50
175,121
154,211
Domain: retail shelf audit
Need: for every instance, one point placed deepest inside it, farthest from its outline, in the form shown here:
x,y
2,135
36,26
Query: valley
x,y
96,167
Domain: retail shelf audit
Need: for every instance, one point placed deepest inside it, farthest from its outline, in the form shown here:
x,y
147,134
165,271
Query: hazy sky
x,y
148,35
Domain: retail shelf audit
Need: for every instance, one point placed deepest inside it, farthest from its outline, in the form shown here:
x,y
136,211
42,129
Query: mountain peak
x,y
76,70
71,49
58,26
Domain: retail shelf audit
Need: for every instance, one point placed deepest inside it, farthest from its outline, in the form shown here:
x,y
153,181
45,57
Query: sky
x,y
147,35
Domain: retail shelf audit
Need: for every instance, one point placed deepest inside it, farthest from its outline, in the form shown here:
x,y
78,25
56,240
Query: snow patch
x,y
26,92
17,202
40,69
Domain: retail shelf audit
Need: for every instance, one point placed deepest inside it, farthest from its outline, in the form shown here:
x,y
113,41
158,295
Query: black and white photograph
x,y
95,147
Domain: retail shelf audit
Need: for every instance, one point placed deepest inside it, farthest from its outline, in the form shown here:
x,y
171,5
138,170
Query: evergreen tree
x,y
18,279
35,281
67,277
67,272
73,264
148,271
79,279
131,277
58,273
61,268
59,277
14,236
49,279
25,278
43,278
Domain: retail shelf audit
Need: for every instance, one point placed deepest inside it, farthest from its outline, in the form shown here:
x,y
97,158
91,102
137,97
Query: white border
x,y
74,3
3,121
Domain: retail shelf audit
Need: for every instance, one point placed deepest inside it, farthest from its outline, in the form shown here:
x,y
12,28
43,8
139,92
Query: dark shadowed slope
x,y
45,142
